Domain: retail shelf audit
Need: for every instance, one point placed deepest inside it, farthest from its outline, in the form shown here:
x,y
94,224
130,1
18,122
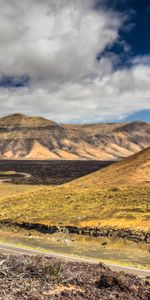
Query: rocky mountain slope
x,y
38,138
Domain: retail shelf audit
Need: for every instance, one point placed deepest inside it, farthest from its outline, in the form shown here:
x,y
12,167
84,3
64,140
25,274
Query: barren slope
x,y
38,138
30,137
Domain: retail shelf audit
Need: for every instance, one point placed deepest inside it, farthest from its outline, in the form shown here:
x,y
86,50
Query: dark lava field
x,y
51,171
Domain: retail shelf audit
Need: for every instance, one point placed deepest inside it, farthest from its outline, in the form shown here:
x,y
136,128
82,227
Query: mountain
x,y
24,137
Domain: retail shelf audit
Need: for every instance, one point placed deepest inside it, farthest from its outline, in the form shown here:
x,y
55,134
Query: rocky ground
x,y
39,278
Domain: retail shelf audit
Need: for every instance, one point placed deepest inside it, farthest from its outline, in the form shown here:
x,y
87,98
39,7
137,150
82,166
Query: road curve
x,y
24,175
11,249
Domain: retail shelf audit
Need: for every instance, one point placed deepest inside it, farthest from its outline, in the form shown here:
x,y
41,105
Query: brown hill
x,y
29,137
132,171
38,138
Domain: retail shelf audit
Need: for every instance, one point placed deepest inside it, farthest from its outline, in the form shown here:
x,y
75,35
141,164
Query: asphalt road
x,y
10,249
24,175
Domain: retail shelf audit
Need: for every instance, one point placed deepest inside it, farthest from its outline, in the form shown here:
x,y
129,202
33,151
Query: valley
x,y
69,205
65,199
47,172
115,196
75,150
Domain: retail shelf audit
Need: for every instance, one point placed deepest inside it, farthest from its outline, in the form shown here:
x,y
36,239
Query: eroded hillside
x,y
38,138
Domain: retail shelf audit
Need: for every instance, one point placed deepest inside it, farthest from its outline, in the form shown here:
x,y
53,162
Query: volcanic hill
x,y
23,137
131,171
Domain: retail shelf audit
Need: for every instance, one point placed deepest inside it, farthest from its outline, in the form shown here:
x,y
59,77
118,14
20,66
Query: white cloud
x,y
56,44
54,40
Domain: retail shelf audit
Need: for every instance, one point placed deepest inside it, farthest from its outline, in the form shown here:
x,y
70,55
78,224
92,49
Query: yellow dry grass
x,y
118,196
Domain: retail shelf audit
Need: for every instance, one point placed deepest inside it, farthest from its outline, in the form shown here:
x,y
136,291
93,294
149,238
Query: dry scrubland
x,y
116,196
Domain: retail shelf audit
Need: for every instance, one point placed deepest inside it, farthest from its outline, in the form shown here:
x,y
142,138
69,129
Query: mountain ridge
x,y
34,137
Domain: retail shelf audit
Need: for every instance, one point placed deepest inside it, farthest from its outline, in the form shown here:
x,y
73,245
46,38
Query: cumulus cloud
x,y
55,44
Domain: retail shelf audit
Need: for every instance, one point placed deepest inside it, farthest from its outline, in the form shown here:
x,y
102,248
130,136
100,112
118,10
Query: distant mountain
x,y
23,137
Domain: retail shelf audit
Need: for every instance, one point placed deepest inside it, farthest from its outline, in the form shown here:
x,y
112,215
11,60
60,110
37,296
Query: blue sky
x,y
76,61
143,115
137,37
136,33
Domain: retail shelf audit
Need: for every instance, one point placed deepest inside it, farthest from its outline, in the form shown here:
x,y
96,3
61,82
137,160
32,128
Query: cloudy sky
x,y
75,60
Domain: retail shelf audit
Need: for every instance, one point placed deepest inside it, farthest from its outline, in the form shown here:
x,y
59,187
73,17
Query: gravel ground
x,y
39,278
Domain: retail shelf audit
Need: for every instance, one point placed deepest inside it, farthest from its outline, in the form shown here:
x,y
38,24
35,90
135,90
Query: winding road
x,y
11,249
23,175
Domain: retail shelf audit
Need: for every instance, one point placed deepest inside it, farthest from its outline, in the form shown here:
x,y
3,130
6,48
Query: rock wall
x,y
136,236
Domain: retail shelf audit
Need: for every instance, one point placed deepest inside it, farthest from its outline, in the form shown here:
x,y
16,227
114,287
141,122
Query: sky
x,y
75,61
